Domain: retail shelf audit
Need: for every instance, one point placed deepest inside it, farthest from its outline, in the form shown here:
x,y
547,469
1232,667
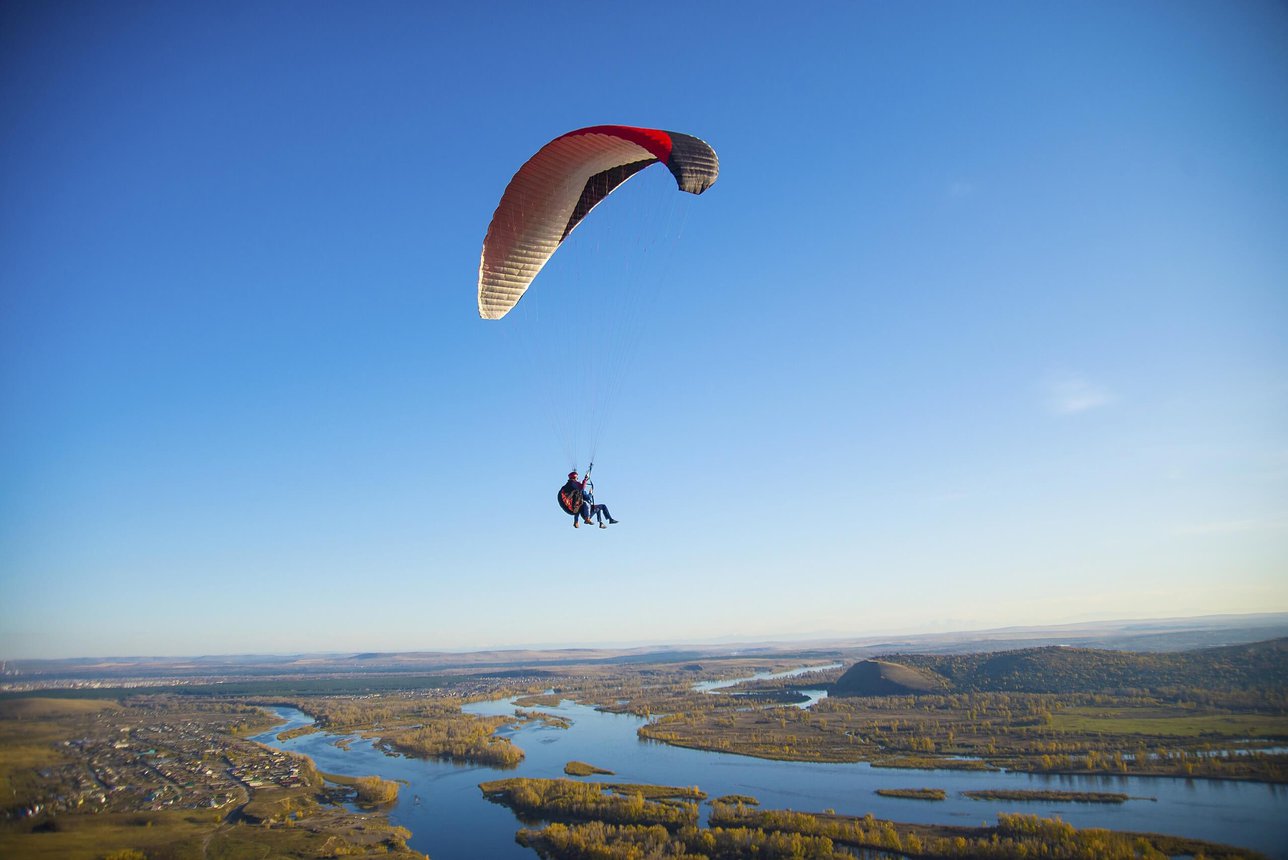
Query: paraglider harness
x,y
571,494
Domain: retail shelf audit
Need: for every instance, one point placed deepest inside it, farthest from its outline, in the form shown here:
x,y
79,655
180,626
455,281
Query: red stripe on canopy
x,y
656,141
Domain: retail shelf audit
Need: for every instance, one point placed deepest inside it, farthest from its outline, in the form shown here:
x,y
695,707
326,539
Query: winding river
x,y
442,806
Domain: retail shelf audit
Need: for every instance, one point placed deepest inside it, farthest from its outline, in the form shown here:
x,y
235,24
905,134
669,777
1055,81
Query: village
x,y
190,764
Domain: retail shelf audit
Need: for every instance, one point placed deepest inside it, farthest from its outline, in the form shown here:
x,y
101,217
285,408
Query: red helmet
x,y
572,475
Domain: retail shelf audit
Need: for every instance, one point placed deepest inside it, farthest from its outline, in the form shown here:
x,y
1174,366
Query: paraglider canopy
x,y
558,187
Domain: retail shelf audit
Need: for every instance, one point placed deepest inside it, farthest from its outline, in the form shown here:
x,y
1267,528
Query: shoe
x,y
576,523
602,526
612,521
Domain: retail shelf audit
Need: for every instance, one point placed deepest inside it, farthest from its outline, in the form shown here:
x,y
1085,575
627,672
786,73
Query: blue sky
x,y
983,323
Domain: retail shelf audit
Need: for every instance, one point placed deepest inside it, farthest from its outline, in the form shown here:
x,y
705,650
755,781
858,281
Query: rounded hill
x,y
882,678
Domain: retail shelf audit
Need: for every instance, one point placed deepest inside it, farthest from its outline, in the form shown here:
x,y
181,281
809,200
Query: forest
x,y
1259,669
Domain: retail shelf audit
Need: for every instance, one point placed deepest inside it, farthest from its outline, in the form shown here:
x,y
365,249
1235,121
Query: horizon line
x,y
834,639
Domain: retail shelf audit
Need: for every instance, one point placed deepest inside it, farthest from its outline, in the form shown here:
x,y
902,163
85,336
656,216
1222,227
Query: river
x,y
445,811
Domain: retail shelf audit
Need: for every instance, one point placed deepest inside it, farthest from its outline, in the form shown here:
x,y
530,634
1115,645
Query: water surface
x,y
448,817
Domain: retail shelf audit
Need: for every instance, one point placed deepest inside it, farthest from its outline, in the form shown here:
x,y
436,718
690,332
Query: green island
x,y
745,799
580,768
1060,796
599,820
551,720
914,793
297,732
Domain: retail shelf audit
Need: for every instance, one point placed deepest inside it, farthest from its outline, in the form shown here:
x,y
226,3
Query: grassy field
x,y
30,733
180,836
45,708
1167,722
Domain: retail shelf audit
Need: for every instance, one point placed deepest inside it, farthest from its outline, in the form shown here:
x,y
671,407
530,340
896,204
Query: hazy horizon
x,y
804,639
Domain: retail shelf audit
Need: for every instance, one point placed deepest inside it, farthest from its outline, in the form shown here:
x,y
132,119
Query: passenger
x,y
597,511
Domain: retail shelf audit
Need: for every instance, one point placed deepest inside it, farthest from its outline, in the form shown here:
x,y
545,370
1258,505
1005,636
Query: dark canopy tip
x,y
693,163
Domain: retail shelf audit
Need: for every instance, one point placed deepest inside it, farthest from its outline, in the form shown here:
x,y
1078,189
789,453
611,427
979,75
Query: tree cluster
x,y
599,841
1259,666
374,790
460,737
567,800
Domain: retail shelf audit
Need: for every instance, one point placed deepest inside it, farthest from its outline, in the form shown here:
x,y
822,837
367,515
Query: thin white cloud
x,y
1071,395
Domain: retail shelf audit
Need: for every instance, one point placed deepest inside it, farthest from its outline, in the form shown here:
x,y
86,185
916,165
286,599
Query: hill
x,y
1055,669
882,678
